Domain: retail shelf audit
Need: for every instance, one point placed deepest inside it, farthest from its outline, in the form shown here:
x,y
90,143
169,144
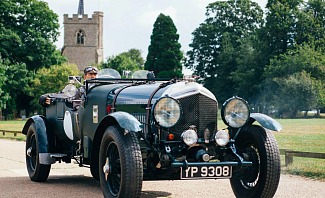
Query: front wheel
x,y
120,164
36,171
255,144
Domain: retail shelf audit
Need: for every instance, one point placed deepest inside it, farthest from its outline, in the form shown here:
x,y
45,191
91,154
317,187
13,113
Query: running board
x,y
57,155
50,158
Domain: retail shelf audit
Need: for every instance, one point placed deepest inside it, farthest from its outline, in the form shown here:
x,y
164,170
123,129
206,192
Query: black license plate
x,y
206,172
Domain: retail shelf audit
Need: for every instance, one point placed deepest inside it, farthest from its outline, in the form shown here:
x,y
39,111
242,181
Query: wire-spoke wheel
x,y
257,145
36,171
120,164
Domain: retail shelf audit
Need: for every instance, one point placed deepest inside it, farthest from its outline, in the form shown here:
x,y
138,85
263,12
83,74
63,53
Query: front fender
x,y
41,134
126,121
266,121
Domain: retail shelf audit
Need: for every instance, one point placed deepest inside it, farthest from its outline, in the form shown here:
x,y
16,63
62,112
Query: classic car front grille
x,y
198,110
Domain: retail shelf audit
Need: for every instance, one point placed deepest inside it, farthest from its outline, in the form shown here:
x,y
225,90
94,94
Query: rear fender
x,y
266,121
41,135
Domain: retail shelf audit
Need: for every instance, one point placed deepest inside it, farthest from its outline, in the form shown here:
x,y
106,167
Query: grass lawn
x,y
12,125
303,135
298,134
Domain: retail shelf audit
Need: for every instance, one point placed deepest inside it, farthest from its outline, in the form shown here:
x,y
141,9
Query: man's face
x,y
90,75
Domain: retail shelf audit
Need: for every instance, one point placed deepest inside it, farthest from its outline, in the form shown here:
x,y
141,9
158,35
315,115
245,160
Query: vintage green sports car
x,y
130,130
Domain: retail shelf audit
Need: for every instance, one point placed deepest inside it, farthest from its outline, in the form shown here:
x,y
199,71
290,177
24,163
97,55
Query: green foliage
x,y
14,86
296,80
126,61
28,29
217,41
135,55
235,54
294,93
250,67
164,53
304,58
170,74
50,80
295,22
314,30
281,25
319,87
4,96
295,33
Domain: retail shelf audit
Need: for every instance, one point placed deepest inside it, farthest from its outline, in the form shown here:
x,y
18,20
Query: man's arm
x,y
44,100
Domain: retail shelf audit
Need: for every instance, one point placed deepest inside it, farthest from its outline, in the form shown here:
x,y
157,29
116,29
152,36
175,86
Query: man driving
x,y
90,72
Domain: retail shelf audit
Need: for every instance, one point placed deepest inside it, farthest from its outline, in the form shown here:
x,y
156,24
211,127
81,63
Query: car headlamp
x,y
235,112
70,90
189,137
222,138
167,112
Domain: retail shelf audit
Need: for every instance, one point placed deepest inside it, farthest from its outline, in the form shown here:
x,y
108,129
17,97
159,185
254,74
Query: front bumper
x,y
185,164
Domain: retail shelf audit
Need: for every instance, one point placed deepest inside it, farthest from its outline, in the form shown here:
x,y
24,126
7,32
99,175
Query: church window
x,y
80,37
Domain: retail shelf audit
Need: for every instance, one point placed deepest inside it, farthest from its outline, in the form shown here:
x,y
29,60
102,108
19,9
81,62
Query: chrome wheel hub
x,y
106,168
29,151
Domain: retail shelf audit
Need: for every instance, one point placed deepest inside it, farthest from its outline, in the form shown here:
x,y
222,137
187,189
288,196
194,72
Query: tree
x,y
28,29
164,55
50,80
219,80
302,67
216,42
4,96
136,56
316,12
248,75
281,25
295,92
319,86
304,58
126,61
17,80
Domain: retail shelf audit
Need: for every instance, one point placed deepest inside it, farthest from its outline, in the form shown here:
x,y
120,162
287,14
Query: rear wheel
x,y
262,179
36,171
120,164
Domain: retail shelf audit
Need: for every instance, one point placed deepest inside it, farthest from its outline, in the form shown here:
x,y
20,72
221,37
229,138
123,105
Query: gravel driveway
x,y
71,180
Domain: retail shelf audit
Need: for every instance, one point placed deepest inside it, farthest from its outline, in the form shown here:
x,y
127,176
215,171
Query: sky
x,y
128,24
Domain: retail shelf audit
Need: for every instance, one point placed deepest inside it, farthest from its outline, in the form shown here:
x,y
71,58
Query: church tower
x,y
83,38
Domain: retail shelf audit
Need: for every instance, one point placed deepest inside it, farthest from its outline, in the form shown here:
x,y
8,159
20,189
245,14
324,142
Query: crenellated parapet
x,y
95,18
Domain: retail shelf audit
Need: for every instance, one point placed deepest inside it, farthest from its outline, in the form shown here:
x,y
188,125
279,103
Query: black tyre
x,y
94,170
36,171
255,144
120,164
